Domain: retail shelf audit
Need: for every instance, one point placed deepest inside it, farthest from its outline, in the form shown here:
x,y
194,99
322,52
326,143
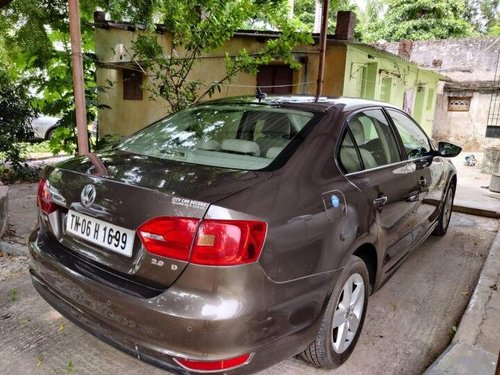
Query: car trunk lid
x,y
130,190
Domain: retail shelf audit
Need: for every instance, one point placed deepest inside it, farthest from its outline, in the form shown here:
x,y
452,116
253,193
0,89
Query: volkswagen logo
x,y
88,195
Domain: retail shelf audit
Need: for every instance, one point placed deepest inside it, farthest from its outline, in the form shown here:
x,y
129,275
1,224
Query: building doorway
x,y
275,79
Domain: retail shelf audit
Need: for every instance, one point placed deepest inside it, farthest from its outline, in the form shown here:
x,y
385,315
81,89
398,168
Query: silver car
x,y
44,127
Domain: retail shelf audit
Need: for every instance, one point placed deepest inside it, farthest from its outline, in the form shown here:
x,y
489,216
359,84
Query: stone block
x,y
491,160
4,191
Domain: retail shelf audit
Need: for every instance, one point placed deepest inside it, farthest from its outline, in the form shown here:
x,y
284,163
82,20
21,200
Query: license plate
x,y
99,232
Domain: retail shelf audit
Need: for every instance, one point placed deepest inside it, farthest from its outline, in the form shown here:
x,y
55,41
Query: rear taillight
x,y
212,366
228,242
44,198
213,242
169,236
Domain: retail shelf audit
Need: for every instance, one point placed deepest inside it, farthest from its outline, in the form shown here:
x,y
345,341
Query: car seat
x,y
348,154
275,132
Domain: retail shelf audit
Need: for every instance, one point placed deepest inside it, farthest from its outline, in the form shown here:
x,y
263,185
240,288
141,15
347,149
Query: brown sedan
x,y
237,233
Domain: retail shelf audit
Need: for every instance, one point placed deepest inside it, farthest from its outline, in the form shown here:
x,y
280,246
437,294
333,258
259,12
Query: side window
x,y
369,136
348,157
415,141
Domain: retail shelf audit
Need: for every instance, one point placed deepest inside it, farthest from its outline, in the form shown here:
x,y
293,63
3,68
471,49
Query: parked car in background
x,y
237,233
44,127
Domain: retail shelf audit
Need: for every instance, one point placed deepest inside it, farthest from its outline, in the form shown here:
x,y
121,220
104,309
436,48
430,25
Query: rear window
x,y
245,137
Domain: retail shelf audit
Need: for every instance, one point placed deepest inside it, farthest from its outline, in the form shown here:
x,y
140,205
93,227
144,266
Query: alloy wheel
x,y
348,313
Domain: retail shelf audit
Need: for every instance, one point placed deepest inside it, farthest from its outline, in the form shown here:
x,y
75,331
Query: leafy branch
x,y
199,28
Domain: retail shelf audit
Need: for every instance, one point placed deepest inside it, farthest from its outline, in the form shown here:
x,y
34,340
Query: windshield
x,y
245,137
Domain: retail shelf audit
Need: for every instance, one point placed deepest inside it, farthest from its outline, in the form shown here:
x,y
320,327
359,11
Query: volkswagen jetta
x,y
237,233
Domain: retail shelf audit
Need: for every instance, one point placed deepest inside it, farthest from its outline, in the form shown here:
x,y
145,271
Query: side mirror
x,y
448,150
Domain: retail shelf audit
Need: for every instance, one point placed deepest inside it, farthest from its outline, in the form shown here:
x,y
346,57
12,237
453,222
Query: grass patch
x,y
14,295
35,147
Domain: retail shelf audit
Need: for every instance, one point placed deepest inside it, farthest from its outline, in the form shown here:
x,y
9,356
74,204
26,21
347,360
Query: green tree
x,y
200,27
495,28
35,46
483,15
305,10
425,19
16,113
370,20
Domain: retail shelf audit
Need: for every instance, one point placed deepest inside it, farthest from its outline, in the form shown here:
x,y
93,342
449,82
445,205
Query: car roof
x,y
305,102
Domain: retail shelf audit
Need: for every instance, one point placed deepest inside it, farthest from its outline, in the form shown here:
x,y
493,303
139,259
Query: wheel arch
x,y
453,180
368,254
50,130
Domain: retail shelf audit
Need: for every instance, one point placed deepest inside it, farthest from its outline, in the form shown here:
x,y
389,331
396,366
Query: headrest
x,y
277,125
241,146
272,152
211,145
357,131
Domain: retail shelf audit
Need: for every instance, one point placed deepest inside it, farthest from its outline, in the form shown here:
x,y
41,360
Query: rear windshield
x,y
245,137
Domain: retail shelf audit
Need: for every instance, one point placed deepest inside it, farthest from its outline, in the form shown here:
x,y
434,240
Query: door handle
x,y
412,197
422,182
380,201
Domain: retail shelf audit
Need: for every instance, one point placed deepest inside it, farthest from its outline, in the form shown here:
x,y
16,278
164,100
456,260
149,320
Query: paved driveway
x,y
409,321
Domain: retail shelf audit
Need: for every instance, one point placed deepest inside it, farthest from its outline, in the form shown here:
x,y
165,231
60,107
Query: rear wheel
x,y
343,318
445,216
50,134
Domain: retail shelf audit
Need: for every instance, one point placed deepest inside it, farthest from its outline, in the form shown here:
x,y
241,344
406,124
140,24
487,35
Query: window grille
x,y
493,124
458,104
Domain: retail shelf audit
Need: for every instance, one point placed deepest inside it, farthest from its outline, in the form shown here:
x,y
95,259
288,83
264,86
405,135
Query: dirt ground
x,y
409,321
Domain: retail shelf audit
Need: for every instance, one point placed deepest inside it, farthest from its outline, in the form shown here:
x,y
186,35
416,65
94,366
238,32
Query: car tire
x,y
50,134
445,215
333,344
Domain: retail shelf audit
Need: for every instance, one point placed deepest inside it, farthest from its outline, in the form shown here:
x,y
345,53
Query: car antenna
x,y
260,95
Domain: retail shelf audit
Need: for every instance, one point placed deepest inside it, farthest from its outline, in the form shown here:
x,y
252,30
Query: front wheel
x,y
445,216
343,318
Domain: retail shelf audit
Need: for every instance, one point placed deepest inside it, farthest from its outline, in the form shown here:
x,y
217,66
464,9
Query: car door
x,y
371,158
428,175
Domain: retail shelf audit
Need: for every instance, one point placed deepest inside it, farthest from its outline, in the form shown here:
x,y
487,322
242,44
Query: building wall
x,y
124,117
467,59
471,63
351,69
466,129
373,75
335,62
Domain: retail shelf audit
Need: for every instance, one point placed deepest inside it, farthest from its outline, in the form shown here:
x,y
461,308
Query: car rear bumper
x,y
104,332
217,320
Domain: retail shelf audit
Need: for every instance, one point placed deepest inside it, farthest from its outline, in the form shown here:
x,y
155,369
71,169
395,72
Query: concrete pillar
x,y
495,183
491,160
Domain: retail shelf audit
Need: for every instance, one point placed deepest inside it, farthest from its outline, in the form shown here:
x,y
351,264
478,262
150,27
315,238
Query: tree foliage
x,y
16,112
200,27
424,19
370,21
483,15
35,46
305,12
